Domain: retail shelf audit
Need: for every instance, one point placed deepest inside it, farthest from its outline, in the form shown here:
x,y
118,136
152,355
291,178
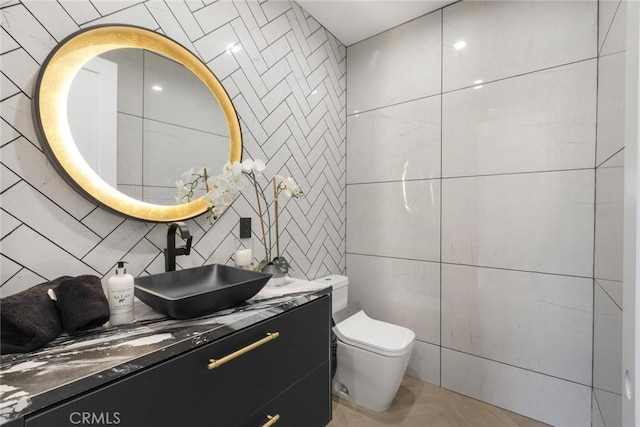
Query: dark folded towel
x,y
29,319
82,303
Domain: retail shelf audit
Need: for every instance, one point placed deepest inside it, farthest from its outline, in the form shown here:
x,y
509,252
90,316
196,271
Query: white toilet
x,y
372,355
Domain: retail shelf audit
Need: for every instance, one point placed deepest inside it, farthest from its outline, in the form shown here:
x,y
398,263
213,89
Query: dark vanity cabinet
x,y
283,381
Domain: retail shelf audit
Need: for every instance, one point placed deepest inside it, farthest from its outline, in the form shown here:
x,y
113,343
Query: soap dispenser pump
x,y
120,295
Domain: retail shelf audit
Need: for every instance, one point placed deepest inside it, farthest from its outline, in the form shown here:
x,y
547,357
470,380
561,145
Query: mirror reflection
x,y
140,120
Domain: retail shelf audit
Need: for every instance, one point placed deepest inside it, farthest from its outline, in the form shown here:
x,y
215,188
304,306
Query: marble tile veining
x,y
70,365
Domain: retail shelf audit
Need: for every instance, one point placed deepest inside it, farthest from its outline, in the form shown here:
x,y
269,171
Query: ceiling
x,y
352,21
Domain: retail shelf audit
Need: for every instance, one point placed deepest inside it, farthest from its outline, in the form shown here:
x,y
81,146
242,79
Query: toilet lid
x,y
362,331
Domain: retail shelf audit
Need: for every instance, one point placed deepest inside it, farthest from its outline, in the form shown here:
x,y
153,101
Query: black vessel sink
x,y
194,292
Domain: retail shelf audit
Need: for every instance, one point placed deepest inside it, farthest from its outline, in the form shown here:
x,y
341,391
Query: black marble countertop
x,y
73,364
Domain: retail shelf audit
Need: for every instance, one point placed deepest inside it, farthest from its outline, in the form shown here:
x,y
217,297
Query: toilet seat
x,y
373,335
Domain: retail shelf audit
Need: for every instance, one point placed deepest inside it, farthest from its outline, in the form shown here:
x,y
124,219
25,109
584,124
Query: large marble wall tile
x,y
425,362
609,223
612,288
130,138
130,79
616,37
539,322
607,343
551,400
398,219
489,40
395,143
21,69
535,122
596,415
398,291
610,406
606,12
539,222
611,83
182,100
396,66
171,150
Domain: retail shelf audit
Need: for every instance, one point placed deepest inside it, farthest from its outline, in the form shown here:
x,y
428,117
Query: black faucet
x,y
172,252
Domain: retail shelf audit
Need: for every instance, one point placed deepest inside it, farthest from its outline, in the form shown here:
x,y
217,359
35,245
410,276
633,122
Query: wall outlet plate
x,y
245,228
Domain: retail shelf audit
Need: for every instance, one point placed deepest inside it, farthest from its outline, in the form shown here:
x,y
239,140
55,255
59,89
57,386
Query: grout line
x,y
607,294
601,165
516,366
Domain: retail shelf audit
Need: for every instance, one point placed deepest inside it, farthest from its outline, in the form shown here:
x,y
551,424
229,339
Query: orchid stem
x,y
264,235
275,202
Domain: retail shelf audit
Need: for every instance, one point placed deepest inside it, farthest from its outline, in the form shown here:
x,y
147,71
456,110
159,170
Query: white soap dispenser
x,y
120,295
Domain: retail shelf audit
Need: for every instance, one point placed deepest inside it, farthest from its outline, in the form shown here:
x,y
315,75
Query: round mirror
x,y
122,112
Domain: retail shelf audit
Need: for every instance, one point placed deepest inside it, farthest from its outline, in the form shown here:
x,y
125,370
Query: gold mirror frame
x,y
52,124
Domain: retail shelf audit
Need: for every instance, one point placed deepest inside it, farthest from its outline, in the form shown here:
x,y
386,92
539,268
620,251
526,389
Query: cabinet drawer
x,y
307,403
183,391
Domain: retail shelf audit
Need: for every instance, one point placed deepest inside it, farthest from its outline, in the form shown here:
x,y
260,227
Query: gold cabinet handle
x,y
272,420
214,363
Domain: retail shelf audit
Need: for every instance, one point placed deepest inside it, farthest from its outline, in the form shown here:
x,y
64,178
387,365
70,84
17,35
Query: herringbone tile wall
x,y
287,82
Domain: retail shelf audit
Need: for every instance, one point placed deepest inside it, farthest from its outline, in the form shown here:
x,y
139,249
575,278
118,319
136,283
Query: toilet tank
x,y
340,290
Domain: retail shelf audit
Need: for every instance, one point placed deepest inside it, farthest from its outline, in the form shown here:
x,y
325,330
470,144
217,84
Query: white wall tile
x,y
606,11
21,69
613,289
7,178
7,43
399,219
616,37
611,83
536,222
607,343
425,362
130,139
26,247
540,121
102,222
609,223
130,79
186,19
216,43
596,416
28,32
136,15
395,143
610,406
7,133
215,15
7,223
7,88
396,66
106,7
539,322
184,100
196,150
24,202
509,38
32,166
547,399
53,16
22,281
170,26
80,11
8,269
17,111
398,291
116,244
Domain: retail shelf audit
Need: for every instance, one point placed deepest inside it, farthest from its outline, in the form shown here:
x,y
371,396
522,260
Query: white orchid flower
x,y
289,187
256,165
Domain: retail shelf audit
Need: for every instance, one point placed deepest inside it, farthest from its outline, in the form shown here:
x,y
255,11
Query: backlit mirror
x,y
122,112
